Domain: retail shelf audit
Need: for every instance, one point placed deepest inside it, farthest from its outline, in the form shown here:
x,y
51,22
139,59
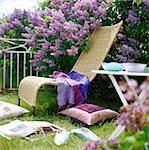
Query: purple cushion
x,y
89,107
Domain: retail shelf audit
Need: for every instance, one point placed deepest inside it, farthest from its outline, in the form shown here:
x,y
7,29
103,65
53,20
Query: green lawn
x,y
47,111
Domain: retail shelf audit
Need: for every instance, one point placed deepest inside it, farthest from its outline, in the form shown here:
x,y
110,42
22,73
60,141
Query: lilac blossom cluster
x,y
145,2
100,144
61,29
132,39
128,50
93,145
133,117
14,22
132,17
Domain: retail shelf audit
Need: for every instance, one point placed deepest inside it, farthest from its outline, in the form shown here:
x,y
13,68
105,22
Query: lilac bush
x,y
15,24
132,42
62,28
58,30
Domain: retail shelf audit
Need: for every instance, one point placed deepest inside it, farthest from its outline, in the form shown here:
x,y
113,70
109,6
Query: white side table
x,y
125,74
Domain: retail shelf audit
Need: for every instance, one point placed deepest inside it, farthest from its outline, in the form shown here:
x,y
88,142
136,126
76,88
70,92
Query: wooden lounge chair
x,y
100,43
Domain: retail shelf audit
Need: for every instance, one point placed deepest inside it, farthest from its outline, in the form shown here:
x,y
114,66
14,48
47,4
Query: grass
x,y
47,111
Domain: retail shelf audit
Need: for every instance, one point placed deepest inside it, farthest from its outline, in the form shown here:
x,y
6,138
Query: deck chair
x,y
100,43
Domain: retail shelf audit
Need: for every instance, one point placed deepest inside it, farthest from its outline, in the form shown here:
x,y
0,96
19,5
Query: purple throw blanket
x,y
72,88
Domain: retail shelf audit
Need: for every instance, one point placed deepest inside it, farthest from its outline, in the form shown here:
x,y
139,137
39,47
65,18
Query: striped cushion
x,y
89,114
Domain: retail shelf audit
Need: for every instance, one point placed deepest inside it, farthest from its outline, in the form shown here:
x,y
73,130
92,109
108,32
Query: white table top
x,y
121,73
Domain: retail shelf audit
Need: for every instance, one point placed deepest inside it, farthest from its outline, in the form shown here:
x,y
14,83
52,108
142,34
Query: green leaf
x,y
127,143
141,138
138,2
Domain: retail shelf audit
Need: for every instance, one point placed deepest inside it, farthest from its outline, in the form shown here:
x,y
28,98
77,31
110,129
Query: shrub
x,y
61,29
14,25
132,43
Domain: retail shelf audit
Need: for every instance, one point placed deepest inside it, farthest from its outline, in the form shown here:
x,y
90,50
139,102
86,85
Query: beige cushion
x,y
86,117
8,110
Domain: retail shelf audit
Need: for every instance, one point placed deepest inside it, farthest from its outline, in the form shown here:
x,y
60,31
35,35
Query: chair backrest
x,y
100,43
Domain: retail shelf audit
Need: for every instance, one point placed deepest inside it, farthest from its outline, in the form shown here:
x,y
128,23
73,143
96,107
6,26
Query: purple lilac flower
x,y
45,45
9,26
132,18
145,2
32,43
129,51
37,56
102,12
14,21
37,20
72,51
121,37
41,69
18,14
121,58
93,145
125,49
35,63
134,42
113,143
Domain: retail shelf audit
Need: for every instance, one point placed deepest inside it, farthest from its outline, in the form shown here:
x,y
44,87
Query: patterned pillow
x,y
8,110
89,114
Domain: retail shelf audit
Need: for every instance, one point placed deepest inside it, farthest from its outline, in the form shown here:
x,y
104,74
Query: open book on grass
x,y
24,129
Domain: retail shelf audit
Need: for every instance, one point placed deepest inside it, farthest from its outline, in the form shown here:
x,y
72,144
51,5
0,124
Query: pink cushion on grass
x,y
88,113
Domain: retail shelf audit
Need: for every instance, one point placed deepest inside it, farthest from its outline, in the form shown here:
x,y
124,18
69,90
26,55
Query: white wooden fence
x,y
16,65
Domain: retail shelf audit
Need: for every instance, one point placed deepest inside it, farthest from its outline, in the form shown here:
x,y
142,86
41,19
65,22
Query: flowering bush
x,y
132,42
135,119
58,29
15,24
61,29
